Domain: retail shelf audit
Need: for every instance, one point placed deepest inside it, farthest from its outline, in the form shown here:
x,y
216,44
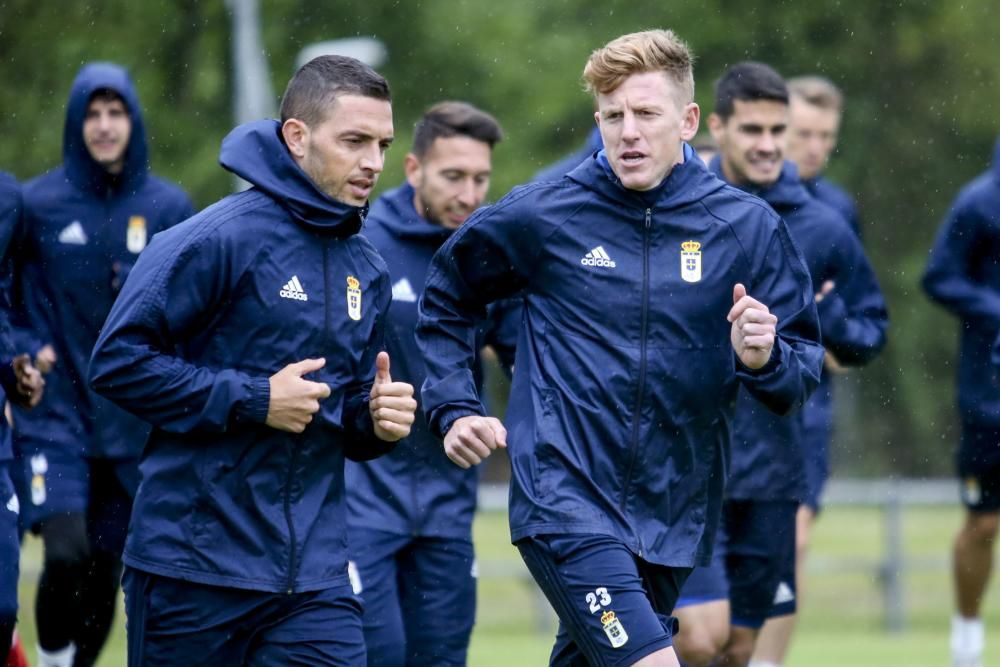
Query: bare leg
x,y
704,632
973,560
665,657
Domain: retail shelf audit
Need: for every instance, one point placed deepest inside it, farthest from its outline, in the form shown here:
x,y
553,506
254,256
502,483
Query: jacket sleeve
x,y
487,259
502,327
10,215
178,284
950,275
27,333
781,282
362,444
853,317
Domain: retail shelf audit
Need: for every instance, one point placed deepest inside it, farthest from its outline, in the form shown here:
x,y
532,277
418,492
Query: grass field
x,y
841,620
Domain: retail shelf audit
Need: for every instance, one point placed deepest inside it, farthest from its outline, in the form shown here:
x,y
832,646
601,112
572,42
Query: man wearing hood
x,y
963,275
411,511
250,337
651,293
767,475
84,225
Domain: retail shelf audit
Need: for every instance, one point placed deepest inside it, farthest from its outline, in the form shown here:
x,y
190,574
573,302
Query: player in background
x,y
410,512
84,224
815,110
963,276
21,383
767,480
651,292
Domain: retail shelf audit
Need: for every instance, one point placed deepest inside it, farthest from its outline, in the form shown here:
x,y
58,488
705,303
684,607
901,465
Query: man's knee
x,y
739,648
982,527
698,647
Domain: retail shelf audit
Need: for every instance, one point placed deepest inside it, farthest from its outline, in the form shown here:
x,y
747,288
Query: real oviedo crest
x,y
691,261
353,298
135,238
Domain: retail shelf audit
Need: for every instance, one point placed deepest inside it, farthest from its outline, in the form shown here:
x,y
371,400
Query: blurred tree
x,y
922,83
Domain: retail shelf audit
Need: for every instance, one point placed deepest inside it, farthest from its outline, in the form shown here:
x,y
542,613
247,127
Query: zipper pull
x,y
649,217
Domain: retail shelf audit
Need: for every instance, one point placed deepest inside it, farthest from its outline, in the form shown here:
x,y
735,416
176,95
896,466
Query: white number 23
x,y
599,598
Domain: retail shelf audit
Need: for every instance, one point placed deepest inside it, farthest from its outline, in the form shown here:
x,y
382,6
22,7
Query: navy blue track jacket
x,y
768,459
212,309
836,198
416,489
625,376
10,214
82,231
963,275
555,171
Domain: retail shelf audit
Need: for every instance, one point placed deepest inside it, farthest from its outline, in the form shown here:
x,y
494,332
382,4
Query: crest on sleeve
x,y
353,298
135,239
691,261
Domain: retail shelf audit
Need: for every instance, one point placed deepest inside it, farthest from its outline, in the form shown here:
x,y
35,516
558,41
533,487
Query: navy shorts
x,y
173,622
10,548
419,595
707,583
760,559
613,607
978,464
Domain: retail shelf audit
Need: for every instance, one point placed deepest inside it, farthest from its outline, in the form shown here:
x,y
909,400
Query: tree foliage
x,y
922,82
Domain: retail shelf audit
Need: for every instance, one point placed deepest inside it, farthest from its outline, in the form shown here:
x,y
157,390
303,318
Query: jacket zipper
x,y
637,412
293,551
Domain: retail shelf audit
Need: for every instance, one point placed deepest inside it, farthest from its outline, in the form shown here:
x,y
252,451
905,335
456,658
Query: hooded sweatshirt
x,y
417,490
624,375
963,275
82,230
213,309
768,450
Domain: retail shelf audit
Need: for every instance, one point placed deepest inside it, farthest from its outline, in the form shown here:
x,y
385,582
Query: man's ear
x,y
716,127
296,136
689,126
412,168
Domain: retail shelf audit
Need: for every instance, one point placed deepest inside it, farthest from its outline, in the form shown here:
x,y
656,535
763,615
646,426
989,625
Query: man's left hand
x,y
753,329
392,405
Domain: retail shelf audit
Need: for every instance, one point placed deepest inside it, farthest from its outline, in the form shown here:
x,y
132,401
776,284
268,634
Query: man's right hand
x,y
471,439
46,359
30,384
294,400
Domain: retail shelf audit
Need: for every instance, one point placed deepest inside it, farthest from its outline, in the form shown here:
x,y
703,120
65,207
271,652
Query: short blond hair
x,y
637,53
817,91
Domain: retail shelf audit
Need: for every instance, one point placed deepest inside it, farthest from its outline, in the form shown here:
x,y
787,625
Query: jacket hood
x,y
80,167
787,192
257,153
686,183
395,211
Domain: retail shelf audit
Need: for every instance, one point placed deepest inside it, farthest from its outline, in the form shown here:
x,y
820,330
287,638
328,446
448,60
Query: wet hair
x,y
817,91
451,119
315,87
748,82
107,95
638,53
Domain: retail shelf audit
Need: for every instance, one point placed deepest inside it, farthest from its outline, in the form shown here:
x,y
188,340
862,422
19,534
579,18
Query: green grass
x,y
841,621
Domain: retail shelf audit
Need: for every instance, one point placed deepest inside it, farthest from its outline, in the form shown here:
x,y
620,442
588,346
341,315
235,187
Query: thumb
x,y
499,433
382,368
739,291
300,368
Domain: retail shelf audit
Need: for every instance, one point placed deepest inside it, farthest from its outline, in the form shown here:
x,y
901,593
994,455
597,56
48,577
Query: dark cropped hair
x,y
748,82
315,87
450,119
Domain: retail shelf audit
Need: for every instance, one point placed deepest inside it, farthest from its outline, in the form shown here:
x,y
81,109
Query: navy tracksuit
x,y
237,550
10,212
836,198
767,480
83,229
410,512
625,377
963,275
555,171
